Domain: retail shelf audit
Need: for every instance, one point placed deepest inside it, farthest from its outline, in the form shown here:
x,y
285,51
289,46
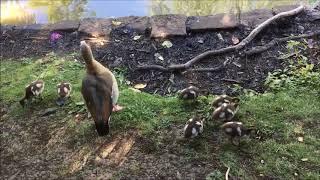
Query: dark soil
x,y
122,51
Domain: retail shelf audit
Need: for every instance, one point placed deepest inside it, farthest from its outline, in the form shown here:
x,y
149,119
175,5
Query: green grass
x,y
280,119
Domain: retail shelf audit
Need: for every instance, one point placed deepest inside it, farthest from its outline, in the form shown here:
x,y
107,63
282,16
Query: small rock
x,y
49,111
300,139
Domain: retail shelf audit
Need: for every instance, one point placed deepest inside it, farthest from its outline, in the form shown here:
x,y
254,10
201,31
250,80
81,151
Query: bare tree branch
x,y
244,42
259,49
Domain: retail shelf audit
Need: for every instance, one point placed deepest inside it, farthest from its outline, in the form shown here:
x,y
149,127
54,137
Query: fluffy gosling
x,y
218,101
189,93
235,130
34,89
193,127
225,112
64,91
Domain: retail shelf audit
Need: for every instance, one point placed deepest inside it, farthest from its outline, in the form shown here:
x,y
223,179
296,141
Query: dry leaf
x,y
157,55
116,23
167,44
140,86
136,37
220,37
235,40
310,43
200,41
300,139
304,159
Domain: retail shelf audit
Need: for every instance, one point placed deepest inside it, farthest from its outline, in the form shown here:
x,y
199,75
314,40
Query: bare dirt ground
x,y
36,147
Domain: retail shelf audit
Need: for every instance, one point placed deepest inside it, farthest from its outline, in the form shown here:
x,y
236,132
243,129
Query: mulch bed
x,y
122,51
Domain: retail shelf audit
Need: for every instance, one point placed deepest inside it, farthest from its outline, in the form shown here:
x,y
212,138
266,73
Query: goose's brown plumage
x,y
98,88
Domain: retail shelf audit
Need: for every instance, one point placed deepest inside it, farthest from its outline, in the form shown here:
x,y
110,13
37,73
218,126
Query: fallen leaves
x,y
158,56
81,103
140,86
167,44
116,23
136,38
304,159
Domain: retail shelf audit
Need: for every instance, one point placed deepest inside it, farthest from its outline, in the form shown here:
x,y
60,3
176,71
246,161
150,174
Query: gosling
x,y
218,101
33,90
234,130
225,112
189,93
193,127
64,91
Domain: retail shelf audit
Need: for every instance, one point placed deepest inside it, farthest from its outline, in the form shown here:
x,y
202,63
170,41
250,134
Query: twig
x,y
232,81
14,175
35,38
143,50
237,47
259,49
288,55
227,173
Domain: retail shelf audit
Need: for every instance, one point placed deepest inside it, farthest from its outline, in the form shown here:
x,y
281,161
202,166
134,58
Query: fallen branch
x,y
237,47
206,69
259,49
